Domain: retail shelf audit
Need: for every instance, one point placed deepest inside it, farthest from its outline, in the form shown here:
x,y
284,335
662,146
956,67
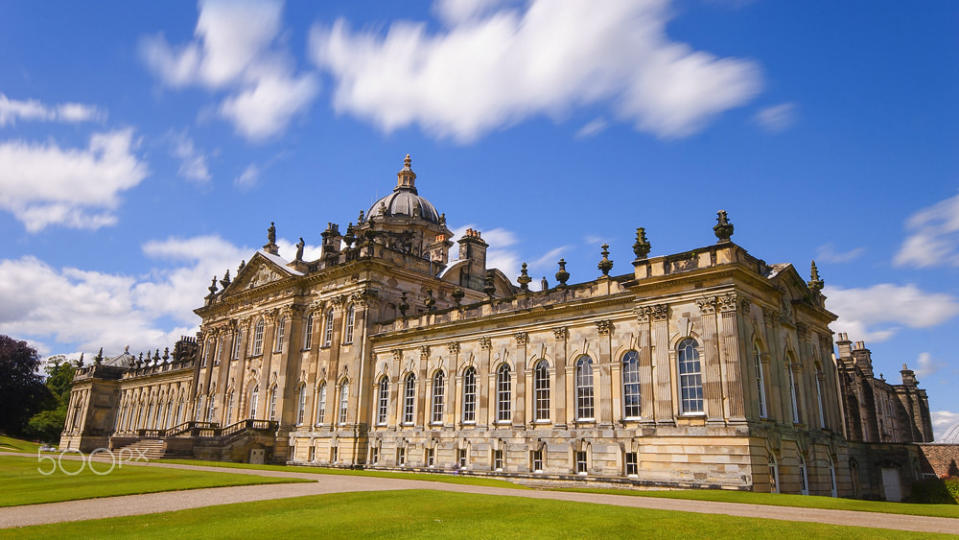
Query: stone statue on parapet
x,y
299,249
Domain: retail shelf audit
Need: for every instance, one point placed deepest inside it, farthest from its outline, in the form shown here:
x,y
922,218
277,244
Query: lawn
x,y
777,499
429,477
9,444
433,514
24,484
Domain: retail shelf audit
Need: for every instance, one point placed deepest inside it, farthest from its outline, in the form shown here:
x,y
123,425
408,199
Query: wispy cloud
x,y
877,313
247,179
777,118
934,237
193,162
827,253
591,128
12,110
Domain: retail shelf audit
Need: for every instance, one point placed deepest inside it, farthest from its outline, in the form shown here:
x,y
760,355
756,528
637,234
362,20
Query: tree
x,y
22,392
47,424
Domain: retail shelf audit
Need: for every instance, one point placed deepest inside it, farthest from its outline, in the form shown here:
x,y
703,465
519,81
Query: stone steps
x,y
149,448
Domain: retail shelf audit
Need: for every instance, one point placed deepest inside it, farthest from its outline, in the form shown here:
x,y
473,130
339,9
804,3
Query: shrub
x,y
935,491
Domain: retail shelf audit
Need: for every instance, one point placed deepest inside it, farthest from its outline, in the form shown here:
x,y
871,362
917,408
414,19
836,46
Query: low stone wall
x,y
940,459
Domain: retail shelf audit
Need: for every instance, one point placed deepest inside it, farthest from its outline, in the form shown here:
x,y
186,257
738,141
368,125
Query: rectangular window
x,y
258,338
461,458
280,334
401,457
430,455
375,455
308,333
334,454
328,331
580,462
235,353
498,460
312,453
344,403
469,396
537,459
632,465
350,319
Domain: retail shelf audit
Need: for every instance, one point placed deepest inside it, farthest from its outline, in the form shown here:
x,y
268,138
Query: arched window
x,y
308,333
832,477
469,395
254,398
258,338
409,398
328,332
321,403
229,408
383,400
169,414
632,406
438,394
348,325
773,474
273,392
211,408
760,381
235,350
822,414
803,477
344,401
584,388
206,352
158,424
503,394
280,334
690,377
793,392
301,405
541,390
179,411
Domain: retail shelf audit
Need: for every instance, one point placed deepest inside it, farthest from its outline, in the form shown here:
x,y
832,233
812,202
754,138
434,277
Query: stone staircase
x,y
149,448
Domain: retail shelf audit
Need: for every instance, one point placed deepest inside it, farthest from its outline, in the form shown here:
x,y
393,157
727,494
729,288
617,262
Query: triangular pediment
x,y
261,270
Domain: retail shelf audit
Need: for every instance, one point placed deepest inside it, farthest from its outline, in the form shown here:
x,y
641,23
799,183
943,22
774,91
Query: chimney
x,y
863,358
908,377
845,346
473,249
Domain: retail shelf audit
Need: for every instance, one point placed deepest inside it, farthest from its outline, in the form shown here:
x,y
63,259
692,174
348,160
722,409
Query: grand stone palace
x,y
707,368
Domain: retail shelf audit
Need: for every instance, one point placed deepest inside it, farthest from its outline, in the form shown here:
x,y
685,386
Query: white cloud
x,y
827,253
927,365
934,240
942,421
493,68
248,178
876,313
776,118
43,184
591,128
193,163
12,110
549,258
288,250
234,49
454,12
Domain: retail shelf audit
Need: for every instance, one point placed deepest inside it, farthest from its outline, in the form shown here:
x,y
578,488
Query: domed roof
x,y
404,201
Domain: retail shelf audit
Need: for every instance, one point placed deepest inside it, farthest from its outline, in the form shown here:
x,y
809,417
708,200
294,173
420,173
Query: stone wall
x,y
940,459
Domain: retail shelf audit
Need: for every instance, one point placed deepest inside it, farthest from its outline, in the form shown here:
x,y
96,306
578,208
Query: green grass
x,y
434,514
778,499
9,444
429,477
24,484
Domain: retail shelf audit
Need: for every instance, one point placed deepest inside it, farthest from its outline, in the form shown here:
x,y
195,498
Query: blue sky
x,y
146,147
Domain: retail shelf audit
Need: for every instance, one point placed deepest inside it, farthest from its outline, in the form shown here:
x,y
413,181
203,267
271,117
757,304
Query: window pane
x,y
469,395
584,388
541,390
503,391
690,377
631,398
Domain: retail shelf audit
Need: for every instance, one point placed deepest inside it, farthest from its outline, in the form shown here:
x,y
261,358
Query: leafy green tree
x,y
47,424
22,392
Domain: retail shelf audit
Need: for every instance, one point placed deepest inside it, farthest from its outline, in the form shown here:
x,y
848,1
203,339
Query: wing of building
x,y
707,368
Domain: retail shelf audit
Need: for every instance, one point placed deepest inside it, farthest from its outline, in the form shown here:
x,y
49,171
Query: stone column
x,y
735,406
451,411
647,376
485,392
519,399
602,383
559,415
395,418
424,383
661,363
710,361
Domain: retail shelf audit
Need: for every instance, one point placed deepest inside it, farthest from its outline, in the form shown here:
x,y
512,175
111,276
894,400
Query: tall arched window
x,y
229,408
211,408
469,395
344,402
169,414
632,406
273,392
584,388
158,424
503,394
321,404
822,414
179,411
348,325
301,405
690,377
308,333
832,477
793,391
383,400
207,351
258,338
760,381
541,390
280,334
235,351
409,398
803,476
773,474
328,331
438,394
254,400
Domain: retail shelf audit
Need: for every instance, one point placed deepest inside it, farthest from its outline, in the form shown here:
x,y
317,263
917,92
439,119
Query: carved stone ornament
x,y
263,276
561,333
486,343
522,338
604,327
397,355
728,302
454,347
643,313
660,312
424,351
707,304
746,305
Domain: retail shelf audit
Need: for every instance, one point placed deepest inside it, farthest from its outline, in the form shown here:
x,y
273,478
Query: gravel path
x,y
128,505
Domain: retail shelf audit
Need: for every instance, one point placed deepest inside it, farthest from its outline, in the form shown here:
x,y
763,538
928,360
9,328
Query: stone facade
x,y
708,368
